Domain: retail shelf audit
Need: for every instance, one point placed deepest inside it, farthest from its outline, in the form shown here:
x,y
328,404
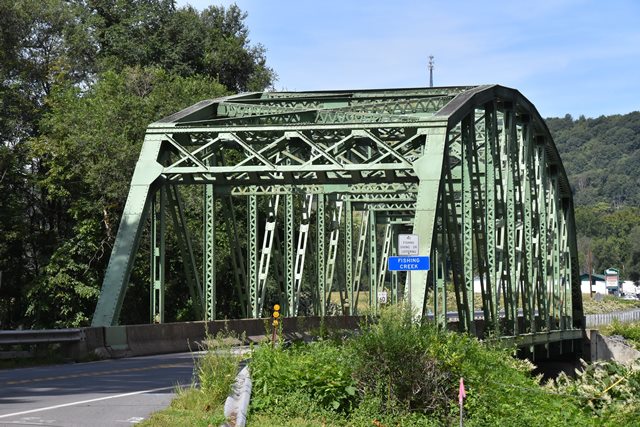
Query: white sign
x,y
408,244
382,297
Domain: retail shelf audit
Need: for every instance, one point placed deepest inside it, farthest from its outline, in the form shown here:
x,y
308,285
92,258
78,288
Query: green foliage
x,y
319,374
601,158
629,331
204,406
392,364
79,83
217,368
605,388
394,357
88,149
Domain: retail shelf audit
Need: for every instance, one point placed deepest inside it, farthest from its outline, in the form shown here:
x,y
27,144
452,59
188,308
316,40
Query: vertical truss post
x,y
565,269
478,184
554,256
267,250
252,254
186,249
440,270
543,248
237,259
528,199
158,229
453,243
336,217
321,303
557,248
348,255
468,142
289,256
301,250
511,299
373,259
384,256
208,253
491,161
362,244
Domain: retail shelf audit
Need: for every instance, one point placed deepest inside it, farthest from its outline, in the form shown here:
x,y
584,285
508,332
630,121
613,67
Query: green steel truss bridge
x,y
472,170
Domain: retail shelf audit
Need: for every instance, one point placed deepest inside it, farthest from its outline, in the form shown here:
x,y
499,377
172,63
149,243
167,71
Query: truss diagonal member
x,y
185,153
387,150
336,218
303,239
247,147
384,258
265,151
362,245
313,145
267,249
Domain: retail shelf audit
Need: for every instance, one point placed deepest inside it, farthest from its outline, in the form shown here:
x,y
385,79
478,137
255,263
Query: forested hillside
x,y
80,80
602,158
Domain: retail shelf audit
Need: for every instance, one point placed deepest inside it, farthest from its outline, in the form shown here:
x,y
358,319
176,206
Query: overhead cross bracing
x,y
325,182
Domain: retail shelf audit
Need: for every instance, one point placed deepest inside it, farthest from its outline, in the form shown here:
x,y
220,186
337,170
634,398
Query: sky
x,y
578,57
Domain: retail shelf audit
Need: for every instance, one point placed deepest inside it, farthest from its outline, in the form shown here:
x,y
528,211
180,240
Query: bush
x,y
605,387
630,331
318,373
392,366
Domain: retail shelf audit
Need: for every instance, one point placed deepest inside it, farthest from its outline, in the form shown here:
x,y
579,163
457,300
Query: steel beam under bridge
x,y
309,190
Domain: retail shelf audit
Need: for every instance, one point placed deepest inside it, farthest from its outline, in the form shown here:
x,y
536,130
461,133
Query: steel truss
x,y
327,180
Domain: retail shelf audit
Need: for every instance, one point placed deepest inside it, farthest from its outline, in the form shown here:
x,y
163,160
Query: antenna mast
x,y
431,63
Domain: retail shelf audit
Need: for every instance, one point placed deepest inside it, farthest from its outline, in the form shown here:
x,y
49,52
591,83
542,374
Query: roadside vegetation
x,y
607,304
202,404
629,331
398,372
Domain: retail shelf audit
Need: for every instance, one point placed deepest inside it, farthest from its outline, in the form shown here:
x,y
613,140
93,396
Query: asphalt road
x,y
116,392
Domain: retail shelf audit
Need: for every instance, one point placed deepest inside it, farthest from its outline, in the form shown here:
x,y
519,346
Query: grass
x,y
191,407
202,404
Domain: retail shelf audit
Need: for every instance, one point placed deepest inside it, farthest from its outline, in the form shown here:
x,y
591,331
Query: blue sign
x,y
406,263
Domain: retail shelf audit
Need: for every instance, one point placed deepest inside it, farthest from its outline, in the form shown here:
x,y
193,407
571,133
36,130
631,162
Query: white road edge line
x,y
64,405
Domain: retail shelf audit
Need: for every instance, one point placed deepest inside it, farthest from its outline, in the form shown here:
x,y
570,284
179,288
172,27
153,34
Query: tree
x,y
89,146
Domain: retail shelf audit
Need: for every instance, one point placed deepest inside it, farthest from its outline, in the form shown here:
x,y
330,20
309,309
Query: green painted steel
x,y
472,170
158,232
208,252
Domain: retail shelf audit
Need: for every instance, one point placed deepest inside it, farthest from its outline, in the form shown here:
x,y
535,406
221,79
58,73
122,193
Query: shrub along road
x,y
103,393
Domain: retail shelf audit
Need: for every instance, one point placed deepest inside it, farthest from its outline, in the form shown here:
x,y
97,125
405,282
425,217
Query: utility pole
x,y
590,280
431,63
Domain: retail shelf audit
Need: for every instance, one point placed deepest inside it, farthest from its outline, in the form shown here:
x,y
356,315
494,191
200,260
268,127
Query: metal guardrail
x,y
608,318
45,336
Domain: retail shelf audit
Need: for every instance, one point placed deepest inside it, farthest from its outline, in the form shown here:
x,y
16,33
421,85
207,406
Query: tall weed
x,y
216,370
